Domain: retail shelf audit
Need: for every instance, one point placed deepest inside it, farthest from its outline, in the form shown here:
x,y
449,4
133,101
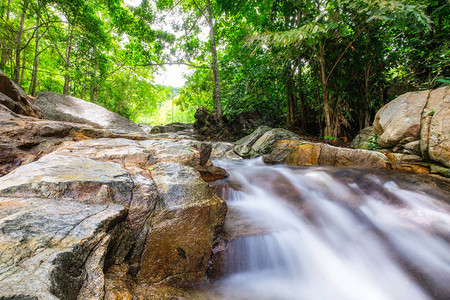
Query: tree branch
x,y
173,63
201,10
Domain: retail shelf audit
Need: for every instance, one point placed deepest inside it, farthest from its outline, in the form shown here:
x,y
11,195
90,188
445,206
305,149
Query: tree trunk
x,y
94,90
66,90
292,120
83,92
19,43
215,69
366,96
301,97
33,85
4,48
326,108
22,70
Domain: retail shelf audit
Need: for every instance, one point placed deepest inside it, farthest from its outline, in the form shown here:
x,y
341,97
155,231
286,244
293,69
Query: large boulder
x,y
439,131
400,119
14,98
417,123
50,248
25,139
136,206
65,108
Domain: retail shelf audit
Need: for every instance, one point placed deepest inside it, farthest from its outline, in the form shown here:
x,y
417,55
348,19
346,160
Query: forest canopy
x,y
316,66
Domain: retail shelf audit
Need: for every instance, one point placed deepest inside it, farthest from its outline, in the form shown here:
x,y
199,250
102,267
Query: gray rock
x,y
439,137
267,141
56,176
173,127
400,119
243,146
70,109
364,139
412,148
145,127
435,98
50,247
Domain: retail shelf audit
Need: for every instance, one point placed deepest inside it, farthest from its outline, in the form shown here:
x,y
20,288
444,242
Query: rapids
x,y
337,234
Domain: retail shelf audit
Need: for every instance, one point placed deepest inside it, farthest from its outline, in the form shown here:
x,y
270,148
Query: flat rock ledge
x,y
302,153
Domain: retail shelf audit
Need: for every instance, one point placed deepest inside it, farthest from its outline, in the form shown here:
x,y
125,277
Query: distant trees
x,y
328,64
86,49
320,66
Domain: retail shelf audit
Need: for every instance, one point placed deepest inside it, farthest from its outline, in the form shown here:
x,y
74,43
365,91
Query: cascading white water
x,y
337,238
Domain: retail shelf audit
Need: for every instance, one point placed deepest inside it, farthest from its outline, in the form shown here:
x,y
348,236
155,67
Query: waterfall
x,y
337,234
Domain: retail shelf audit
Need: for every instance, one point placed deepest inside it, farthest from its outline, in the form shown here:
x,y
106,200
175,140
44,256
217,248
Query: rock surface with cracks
x,y
102,213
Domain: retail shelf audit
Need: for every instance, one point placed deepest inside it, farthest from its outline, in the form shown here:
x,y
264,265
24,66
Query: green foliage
x,y
373,143
327,64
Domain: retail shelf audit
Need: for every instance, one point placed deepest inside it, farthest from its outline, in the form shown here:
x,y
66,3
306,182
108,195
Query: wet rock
x,y
299,153
118,284
314,154
65,108
50,247
205,153
436,169
266,142
14,98
189,207
212,173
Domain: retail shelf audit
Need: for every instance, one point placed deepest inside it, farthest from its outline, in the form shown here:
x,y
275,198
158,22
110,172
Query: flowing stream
x,y
337,234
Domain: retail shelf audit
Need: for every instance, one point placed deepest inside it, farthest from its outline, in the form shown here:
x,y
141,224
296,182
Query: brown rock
x,y
118,284
212,173
24,139
205,153
180,241
435,98
13,97
315,154
439,141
